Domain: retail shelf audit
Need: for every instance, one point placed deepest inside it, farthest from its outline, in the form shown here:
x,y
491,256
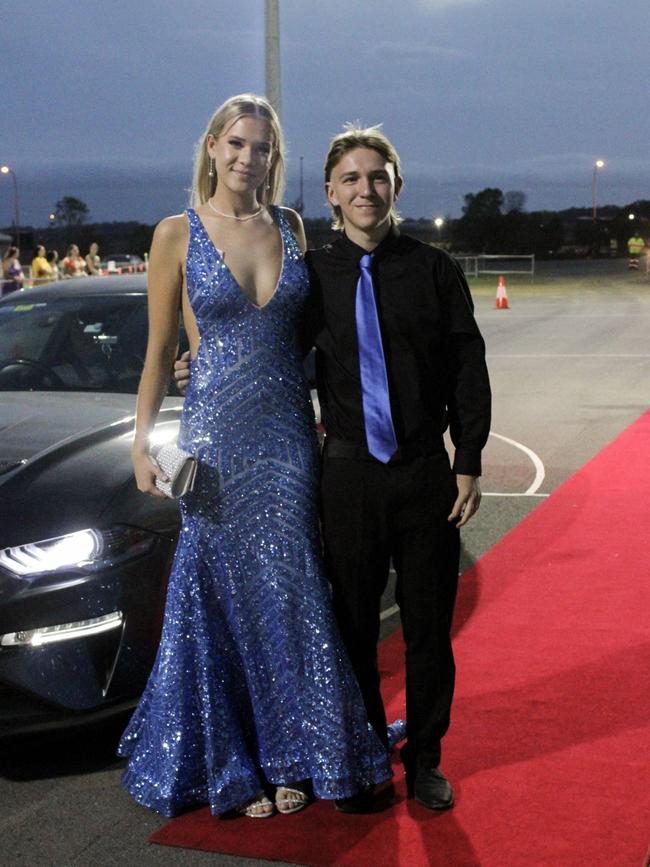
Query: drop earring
x,y
211,167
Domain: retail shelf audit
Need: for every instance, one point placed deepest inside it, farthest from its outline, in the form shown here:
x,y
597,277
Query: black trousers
x,y
371,513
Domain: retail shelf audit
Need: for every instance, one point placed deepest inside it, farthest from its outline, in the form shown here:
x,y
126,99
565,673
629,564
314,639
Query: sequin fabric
x,y
251,684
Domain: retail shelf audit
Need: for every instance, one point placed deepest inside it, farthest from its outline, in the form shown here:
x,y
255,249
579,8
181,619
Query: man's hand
x,y
182,372
467,501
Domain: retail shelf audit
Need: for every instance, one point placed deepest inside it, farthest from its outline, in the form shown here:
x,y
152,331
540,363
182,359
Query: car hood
x,y
36,421
65,464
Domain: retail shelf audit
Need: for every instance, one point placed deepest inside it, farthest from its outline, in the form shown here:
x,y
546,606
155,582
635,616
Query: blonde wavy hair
x,y
244,104
355,136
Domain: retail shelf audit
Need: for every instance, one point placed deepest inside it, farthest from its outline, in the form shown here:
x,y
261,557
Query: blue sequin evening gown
x,y
250,684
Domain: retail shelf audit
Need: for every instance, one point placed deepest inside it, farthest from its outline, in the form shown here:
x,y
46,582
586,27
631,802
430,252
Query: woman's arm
x,y
164,292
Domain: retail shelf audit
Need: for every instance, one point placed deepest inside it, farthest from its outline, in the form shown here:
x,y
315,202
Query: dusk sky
x,y
105,100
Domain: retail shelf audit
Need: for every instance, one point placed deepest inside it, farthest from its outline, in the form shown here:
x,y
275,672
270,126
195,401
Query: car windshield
x,y
94,343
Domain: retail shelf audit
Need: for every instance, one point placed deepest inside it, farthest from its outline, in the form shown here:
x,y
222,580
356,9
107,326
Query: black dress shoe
x,y
432,789
367,800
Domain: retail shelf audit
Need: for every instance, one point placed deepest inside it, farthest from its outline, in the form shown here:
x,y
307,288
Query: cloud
x,y
414,51
576,164
568,174
435,5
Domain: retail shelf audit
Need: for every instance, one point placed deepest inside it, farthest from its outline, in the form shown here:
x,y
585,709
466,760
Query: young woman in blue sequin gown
x,y
251,688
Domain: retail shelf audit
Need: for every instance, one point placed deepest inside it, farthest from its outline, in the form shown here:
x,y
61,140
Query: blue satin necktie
x,y
380,433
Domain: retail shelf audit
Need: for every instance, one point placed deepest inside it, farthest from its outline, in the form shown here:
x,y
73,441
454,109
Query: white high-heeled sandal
x,y
295,798
251,807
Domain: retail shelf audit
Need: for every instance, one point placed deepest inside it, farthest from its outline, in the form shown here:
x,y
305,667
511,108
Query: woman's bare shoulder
x,y
170,238
173,228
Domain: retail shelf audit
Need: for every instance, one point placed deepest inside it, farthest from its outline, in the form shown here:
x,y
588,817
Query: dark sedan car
x,y
84,557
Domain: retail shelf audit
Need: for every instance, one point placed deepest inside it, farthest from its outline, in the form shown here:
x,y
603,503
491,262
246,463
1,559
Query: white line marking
x,y
531,492
537,463
500,494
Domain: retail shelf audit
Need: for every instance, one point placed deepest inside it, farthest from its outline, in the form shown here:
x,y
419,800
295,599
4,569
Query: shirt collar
x,y
354,252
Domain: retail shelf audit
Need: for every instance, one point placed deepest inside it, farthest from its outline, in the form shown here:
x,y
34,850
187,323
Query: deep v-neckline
x,y
232,276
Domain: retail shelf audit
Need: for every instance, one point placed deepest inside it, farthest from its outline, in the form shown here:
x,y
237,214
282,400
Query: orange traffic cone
x,y
502,295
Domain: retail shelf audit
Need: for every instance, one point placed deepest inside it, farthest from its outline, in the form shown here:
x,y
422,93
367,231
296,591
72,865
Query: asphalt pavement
x,y
570,366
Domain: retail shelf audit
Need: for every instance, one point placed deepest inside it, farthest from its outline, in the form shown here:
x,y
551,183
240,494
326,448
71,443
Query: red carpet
x,y
548,749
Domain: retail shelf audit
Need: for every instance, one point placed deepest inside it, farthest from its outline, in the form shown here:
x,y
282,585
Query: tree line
x,y
492,222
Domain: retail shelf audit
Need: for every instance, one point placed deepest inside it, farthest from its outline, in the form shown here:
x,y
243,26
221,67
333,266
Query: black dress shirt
x,y
435,355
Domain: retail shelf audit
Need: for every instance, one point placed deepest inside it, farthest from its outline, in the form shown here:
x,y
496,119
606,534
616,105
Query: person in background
x,y
41,268
12,273
92,260
73,265
635,246
53,260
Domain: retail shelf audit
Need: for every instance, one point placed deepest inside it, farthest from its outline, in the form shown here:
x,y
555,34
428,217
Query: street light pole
x,y
6,170
597,165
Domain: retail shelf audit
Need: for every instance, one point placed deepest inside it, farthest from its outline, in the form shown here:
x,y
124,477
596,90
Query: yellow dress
x,y
41,269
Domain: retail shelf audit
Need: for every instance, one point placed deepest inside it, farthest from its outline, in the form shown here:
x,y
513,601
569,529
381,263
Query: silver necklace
x,y
233,217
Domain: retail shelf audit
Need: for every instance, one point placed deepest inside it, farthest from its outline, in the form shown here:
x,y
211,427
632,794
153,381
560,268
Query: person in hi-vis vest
x,y
635,247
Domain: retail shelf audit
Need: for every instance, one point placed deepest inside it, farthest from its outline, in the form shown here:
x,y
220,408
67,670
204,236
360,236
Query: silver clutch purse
x,y
179,467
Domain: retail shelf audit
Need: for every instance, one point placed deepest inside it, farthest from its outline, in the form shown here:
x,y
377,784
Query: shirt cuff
x,y
467,462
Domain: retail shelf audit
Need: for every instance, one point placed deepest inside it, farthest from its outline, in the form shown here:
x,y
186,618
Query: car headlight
x,y
63,631
85,551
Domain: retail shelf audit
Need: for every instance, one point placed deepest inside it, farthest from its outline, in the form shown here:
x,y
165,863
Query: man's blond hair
x,y
355,136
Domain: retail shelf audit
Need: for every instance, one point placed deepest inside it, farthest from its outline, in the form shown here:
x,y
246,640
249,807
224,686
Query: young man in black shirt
x,y
399,359
408,504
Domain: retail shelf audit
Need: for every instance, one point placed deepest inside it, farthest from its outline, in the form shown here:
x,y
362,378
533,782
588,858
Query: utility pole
x,y
7,170
594,180
272,40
